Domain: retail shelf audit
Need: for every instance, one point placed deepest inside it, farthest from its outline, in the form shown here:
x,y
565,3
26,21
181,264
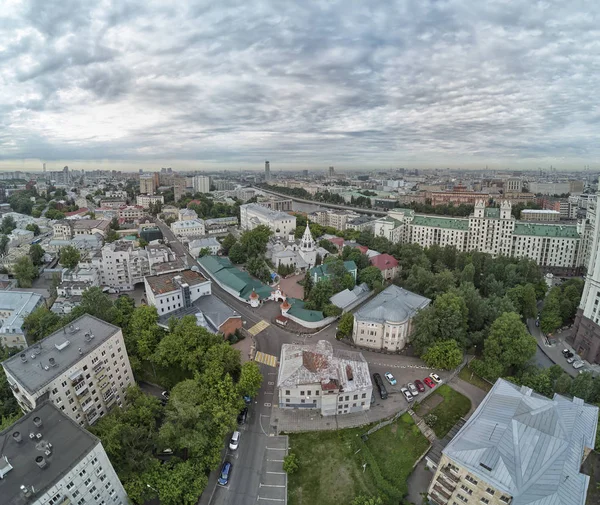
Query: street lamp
x,y
155,490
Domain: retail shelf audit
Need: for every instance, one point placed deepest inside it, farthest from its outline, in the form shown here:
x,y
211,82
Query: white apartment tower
x,y
46,458
83,369
201,184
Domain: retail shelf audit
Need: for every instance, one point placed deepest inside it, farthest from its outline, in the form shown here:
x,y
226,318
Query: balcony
x,y
110,398
104,383
446,483
99,367
87,406
450,475
92,416
442,493
81,389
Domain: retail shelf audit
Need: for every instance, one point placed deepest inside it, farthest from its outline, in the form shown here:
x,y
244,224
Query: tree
x,y
7,225
25,271
34,228
367,500
111,236
4,241
331,310
346,325
372,276
509,345
250,379
257,267
205,251
114,223
445,355
69,256
37,254
290,463
40,323
330,246
227,243
583,387
562,386
97,304
523,297
308,285
237,253
319,295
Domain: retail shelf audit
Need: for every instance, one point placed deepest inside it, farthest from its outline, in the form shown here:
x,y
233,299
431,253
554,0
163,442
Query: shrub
x,y
430,420
290,463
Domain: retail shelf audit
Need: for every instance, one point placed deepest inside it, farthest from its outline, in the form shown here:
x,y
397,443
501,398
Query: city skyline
x,y
414,84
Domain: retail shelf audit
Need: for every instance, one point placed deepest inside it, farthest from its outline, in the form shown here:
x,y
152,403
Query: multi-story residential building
x,y
513,185
491,230
113,203
385,322
210,243
337,219
148,184
117,193
67,229
189,228
146,200
179,187
131,212
331,381
458,196
201,184
540,215
253,215
172,292
224,185
275,203
14,306
82,368
218,225
49,459
186,214
360,223
517,448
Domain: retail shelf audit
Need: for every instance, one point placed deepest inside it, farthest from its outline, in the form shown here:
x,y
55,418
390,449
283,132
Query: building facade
x,y
172,292
318,377
147,184
14,306
189,228
253,215
83,369
145,200
518,448
66,229
201,184
385,322
49,459
542,215
337,219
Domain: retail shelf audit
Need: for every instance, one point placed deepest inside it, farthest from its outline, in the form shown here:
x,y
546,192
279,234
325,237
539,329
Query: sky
x,y
305,84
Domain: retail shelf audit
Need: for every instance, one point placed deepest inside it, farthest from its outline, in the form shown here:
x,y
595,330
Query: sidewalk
x,y
554,352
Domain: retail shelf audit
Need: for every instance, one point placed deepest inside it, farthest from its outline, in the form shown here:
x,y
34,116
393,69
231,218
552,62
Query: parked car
x,y
243,416
247,399
435,377
407,395
235,440
578,364
225,473
419,385
390,378
571,360
379,382
412,388
568,354
429,382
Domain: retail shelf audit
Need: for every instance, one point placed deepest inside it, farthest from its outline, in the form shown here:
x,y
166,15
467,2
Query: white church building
x,y
301,254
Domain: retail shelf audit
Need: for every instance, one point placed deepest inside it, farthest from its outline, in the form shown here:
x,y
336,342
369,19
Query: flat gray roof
x,y
32,374
70,443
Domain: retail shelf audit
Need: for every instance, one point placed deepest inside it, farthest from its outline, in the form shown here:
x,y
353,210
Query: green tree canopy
x,y
346,324
25,272
69,256
34,228
227,243
250,379
7,225
372,276
445,355
40,323
36,252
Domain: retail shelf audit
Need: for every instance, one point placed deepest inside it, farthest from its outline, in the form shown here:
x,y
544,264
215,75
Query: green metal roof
x,y
441,222
350,265
214,263
546,230
298,310
389,219
242,282
322,271
228,277
493,212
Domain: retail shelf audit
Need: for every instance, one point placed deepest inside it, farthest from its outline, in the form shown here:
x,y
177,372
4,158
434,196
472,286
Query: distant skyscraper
x,y
44,166
267,171
331,172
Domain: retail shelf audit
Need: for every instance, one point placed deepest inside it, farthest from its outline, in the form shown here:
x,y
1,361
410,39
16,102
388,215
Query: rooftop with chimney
x,y
42,362
37,450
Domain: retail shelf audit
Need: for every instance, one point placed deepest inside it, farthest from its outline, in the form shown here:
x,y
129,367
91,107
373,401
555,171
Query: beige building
x,y
146,200
147,184
337,219
66,229
83,369
518,448
385,322
253,215
542,215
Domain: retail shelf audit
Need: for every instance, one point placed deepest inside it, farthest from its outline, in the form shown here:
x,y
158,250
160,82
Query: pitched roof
x,y
215,311
393,304
384,261
527,445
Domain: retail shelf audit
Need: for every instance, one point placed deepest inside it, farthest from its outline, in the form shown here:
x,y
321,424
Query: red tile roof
x,y
384,261
77,212
362,248
338,241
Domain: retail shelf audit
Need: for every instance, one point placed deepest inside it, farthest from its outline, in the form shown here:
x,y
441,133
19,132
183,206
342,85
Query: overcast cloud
x,y
302,83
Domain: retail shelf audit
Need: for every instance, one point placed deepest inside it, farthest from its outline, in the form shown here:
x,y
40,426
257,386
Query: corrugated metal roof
x,y
527,445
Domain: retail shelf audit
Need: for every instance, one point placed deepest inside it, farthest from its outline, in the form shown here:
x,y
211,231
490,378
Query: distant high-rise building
x,y
201,184
147,184
331,172
44,166
305,173
267,171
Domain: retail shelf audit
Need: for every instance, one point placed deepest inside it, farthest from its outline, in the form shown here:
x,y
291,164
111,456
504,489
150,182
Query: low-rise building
x,y
518,448
172,292
337,218
323,272
189,228
253,215
131,212
385,322
19,236
387,264
361,223
185,214
146,200
67,229
216,316
113,203
210,243
82,368
49,459
540,215
14,307
331,381
219,224
275,203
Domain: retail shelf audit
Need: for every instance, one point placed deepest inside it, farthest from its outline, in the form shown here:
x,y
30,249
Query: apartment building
x,y
275,203
337,219
49,459
201,184
253,215
175,291
186,214
319,377
146,200
66,229
218,225
148,184
360,223
189,228
179,187
540,215
491,230
518,448
131,212
14,306
385,322
83,369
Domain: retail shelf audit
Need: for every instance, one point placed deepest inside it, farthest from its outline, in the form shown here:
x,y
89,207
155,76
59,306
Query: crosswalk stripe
x,y
267,359
258,327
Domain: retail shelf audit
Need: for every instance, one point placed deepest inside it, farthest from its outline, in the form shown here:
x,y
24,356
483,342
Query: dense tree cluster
x,y
560,305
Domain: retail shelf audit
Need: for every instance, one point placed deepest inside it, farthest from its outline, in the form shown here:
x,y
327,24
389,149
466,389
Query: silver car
x,y
412,388
578,364
407,395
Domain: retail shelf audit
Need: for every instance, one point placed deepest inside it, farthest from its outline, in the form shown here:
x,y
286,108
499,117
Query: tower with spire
x,y
308,248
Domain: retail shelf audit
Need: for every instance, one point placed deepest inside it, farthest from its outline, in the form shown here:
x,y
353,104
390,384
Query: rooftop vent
x,y
32,435
32,356
38,436
40,461
27,491
23,358
37,421
62,345
80,351
52,362
17,437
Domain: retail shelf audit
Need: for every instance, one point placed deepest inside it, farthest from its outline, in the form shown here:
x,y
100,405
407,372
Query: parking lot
x,y
273,480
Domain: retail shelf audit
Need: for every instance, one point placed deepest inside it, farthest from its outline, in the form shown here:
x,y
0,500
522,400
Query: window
x,y
466,489
287,400
301,393
485,501
63,384
505,499
355,397
462,498
490,491
364,395
82,473
287,392
302,401
470,479
317,392
55,391
308,393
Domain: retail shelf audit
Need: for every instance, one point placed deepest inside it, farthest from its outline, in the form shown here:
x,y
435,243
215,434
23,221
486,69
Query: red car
x,y
429,382
419,385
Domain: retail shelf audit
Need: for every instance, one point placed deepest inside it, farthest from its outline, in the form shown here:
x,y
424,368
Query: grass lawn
x,y
469,376
454,406
331,470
